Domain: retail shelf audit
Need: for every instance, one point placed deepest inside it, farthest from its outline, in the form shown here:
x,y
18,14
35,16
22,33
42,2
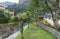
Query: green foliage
x,y
14,19
34,4
36,8
28,17
4,18
11,20
1,11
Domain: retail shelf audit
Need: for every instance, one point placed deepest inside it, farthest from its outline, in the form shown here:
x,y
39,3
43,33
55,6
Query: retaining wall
x,y
49,29
7,29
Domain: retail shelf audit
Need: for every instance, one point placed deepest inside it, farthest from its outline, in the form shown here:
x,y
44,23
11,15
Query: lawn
x,y
35,32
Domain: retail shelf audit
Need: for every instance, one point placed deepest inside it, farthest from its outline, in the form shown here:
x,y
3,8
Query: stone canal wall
x,y
49,29
7,29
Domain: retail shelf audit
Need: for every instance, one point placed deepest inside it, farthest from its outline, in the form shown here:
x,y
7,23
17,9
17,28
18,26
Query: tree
x,y
28,17
37,7
22,21
54,16
16,19
4,18
47,5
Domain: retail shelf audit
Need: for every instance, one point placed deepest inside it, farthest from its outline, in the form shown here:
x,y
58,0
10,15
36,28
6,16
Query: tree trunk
x,y
21,31
54,16
55,20
28,25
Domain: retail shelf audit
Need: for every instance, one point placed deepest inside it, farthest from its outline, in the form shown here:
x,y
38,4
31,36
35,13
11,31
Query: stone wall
x,y
7,29
49,29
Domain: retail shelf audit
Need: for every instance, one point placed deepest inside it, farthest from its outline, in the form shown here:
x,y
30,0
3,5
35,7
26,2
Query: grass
x,y
35,32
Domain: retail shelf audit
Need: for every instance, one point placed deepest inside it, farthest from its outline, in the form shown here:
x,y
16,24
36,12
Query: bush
x,y
4,18
14,19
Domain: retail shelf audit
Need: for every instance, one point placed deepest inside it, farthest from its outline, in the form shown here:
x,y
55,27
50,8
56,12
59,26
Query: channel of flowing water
x,y
13,36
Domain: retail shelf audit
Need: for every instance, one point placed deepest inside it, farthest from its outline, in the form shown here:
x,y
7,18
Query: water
x,y
13,36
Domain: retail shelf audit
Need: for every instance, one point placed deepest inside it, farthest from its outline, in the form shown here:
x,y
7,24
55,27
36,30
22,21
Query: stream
x,y
13,36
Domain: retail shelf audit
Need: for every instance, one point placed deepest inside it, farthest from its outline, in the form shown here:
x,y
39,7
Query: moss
x,y
10,23
47,23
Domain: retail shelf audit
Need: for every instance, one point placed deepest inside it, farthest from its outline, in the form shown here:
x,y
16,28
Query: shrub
x,y
14,19
4,18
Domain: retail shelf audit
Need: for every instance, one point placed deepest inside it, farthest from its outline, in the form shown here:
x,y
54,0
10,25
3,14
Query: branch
x,y
52,4
49,8
57,4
